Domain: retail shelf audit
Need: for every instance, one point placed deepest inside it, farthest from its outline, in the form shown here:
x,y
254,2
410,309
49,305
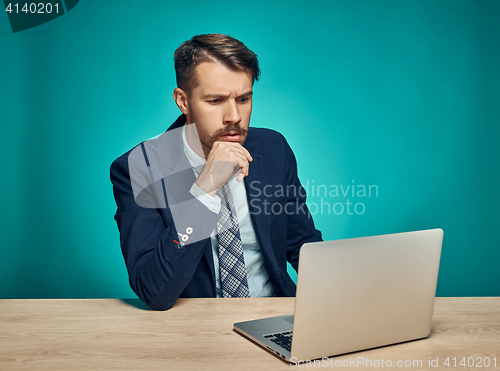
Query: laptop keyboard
x,y
283,339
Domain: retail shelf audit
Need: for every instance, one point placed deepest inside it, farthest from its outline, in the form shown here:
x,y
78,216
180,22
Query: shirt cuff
x,y
213,203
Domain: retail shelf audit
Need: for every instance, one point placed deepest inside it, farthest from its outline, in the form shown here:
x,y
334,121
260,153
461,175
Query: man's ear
x,y
181,99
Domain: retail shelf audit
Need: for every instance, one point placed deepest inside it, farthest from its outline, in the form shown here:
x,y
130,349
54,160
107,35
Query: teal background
x,y
399,94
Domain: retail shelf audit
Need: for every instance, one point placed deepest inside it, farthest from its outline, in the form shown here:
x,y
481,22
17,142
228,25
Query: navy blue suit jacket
x,y
161,270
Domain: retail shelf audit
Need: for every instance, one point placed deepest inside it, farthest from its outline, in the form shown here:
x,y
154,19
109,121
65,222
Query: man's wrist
x,y
210,200
206,188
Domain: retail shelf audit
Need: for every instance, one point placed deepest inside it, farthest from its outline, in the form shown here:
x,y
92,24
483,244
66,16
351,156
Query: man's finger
x,y
238,147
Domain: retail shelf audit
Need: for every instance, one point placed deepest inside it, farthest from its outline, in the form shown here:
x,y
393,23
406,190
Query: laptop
x,y
355,294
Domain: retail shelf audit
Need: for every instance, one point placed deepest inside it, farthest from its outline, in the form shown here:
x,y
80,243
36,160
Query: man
x,y
211,208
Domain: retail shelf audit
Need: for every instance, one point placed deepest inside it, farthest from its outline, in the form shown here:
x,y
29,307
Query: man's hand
x,y
224,160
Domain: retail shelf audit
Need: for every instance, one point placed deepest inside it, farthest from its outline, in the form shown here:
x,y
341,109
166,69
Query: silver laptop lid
x,y
366,292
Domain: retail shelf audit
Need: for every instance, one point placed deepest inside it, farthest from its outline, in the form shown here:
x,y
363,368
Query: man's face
x,y
221,104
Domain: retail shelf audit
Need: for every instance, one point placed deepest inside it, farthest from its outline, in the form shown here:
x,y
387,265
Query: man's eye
x,y
215,101
243,100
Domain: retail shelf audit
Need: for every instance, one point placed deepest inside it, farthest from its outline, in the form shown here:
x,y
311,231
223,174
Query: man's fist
x,y
223,161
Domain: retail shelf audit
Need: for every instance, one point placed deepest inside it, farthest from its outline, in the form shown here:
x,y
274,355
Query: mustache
x,y
230,129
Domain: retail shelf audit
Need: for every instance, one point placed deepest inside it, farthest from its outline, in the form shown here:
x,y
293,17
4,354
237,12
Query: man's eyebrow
x,y
221,96
215,96
246,94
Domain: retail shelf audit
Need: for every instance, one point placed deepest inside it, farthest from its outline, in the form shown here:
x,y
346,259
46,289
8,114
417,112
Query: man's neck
x,y
194,141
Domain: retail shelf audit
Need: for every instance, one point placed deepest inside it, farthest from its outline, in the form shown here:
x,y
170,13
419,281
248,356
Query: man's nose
x,y
232,114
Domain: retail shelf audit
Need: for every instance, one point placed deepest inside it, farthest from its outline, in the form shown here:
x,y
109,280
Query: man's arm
x,y
159,265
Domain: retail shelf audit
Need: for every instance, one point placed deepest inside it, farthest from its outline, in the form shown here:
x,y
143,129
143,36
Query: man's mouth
x,y
232,133
231,137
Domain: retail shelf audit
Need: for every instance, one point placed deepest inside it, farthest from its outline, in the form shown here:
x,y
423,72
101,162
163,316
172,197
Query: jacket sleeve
x,y
159,263
300,224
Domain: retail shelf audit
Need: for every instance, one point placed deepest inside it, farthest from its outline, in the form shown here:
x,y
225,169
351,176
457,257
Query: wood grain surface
x,y
197,334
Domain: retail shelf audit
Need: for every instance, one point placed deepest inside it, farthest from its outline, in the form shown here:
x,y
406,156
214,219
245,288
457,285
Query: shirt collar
x,y
196,161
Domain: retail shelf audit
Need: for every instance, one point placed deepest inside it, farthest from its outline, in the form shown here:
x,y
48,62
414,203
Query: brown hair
x,y
224,49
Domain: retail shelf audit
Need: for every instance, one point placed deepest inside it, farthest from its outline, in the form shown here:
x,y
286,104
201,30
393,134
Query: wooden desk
x,y
196,334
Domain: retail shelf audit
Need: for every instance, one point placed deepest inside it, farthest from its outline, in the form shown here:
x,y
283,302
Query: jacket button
x,y
181,245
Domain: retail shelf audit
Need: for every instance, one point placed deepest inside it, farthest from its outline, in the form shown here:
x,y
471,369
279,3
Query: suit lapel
x,y
254,184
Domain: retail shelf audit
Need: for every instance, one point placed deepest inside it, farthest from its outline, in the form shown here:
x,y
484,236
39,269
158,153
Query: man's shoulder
x,y
264,133
149,150
265,136
122,161
154,145
263,140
